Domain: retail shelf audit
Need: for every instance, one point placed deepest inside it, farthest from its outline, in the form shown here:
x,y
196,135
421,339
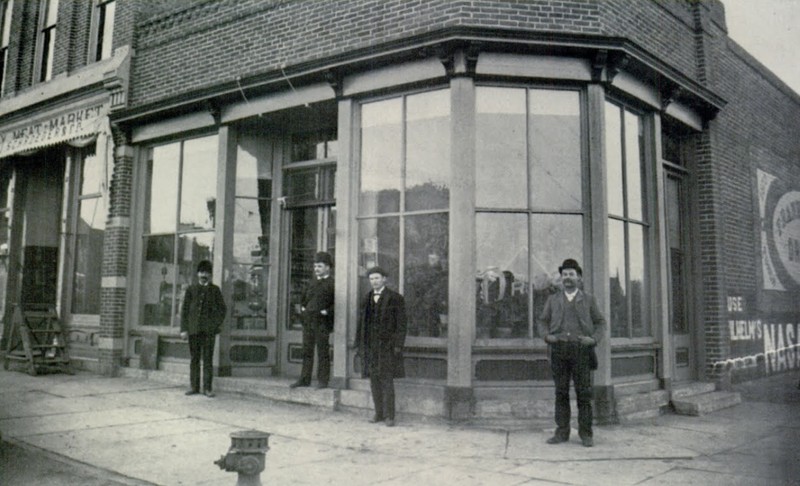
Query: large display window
x,y
404,202
179,220
529,203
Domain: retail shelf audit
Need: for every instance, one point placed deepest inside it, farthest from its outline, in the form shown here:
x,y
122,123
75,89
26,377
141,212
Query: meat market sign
x,y
75,123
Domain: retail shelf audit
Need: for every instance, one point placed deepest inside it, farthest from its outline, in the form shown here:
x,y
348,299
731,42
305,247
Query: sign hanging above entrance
x,y
67,125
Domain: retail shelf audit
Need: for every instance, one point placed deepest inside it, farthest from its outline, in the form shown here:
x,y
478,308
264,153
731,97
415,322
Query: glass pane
x,y
51,13
379,244
302,186
251,220
381,152
428,151
673,209
554,238
158,277
640,323
613,160
192,248
106,31
425,276
253,167
6,27
250,294
312,146
502,278
303,244
555,144
199,183
88,245
92,173
500,148
617,279
634,153
163,189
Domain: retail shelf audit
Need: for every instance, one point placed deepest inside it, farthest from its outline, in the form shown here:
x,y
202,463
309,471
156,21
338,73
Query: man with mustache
x,y
572,325
202,314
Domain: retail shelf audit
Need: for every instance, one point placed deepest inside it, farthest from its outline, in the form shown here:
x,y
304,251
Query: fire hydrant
x,y
246,456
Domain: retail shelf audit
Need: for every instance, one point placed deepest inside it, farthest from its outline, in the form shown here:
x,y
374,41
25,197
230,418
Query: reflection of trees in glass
x,y
429,195
619,308
425,277
637,311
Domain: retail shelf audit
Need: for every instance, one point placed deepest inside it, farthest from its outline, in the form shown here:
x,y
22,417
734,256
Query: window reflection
x,y
427,168
634,151
500,148
613,159
618,279
199,183
502,279
555,145
90,229
172,247
381,156
425,275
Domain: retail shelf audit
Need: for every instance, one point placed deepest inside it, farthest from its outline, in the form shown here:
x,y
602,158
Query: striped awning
x,y
65,125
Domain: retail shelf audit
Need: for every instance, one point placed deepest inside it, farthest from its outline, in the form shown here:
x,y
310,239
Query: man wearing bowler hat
x,y
317,309
202,314
572,325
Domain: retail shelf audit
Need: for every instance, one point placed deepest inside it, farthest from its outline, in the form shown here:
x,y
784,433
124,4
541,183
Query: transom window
x,y
529,203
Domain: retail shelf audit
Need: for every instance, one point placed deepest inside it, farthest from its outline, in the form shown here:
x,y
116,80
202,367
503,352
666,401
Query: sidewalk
x,y
150,433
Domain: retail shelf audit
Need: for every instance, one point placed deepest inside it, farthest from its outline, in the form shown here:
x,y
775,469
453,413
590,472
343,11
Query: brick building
x,y
466,146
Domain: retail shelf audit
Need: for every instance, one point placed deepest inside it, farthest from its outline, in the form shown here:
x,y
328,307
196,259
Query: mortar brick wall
x,y
211,42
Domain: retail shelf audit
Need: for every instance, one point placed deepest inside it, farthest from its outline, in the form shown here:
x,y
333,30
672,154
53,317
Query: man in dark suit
x,y
572,325
380,337
202,314
317,309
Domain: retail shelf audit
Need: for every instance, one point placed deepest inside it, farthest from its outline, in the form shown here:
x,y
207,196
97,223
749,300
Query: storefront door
x,y
310,219
681,322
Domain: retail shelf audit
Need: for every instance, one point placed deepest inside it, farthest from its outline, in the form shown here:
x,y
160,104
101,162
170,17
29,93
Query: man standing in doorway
x,y
380,337
202,314
572,325
317,309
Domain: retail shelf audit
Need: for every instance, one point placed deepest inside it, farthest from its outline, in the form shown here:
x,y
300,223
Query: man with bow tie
x,y
380,337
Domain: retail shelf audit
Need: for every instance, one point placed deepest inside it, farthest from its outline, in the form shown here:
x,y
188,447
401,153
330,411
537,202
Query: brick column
x,y
115,257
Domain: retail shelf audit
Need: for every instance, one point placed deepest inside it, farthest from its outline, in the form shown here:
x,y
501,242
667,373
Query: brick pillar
x,y
115,258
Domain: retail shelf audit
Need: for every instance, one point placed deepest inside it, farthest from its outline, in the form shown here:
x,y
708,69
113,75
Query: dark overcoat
x,y
203,309
378,338
318,297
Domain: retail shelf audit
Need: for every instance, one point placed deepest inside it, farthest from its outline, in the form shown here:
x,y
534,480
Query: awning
x,y
70,124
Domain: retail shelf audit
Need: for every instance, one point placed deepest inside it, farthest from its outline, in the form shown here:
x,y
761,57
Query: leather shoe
x,y
297,384
587,441
390,422
320,386
375,419
556,440
191,392
209,394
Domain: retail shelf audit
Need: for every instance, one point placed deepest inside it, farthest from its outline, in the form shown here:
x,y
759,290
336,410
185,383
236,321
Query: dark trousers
x,y
201,346
571,361
382,386
315,335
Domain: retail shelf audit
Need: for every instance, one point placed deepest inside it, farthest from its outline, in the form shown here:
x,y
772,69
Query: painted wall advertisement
x,y
765,330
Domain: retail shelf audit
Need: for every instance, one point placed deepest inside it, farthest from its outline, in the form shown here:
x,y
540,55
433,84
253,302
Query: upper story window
x,y
103,30
47,39
5,35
